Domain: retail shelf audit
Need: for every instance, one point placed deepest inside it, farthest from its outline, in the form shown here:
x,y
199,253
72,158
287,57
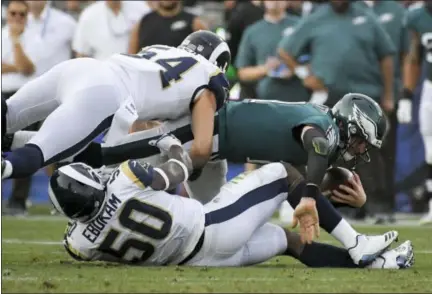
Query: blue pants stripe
x,y
246,201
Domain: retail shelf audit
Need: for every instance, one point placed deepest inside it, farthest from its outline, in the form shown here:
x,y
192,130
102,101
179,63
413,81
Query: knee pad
x,y
3,117
428,148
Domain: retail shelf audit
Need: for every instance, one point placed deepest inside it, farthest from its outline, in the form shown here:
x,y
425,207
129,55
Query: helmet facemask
x,y
359,136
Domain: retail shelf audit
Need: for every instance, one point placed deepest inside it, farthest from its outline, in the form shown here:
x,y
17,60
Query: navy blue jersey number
x,y
174,67
139,228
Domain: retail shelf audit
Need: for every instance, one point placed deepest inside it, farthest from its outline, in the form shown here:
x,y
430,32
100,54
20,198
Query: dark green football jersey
x,y
419,20
263,130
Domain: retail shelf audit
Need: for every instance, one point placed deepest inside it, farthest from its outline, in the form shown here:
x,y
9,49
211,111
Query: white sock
x,y
345,234
7,171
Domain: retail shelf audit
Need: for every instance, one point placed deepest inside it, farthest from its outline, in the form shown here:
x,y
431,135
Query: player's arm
x,y
207,101
317,146
411,70
203,113
163,177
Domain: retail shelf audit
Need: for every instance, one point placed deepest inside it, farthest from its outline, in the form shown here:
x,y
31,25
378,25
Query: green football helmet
x,y
362,124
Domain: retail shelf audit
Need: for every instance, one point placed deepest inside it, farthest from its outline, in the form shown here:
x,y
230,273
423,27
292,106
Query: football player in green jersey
x,y
419,23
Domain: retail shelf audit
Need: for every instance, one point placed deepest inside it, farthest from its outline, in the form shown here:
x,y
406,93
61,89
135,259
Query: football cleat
x,y
400,257
368,248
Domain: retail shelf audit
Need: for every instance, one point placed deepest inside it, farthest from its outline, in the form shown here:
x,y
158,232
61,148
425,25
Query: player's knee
x,y
273,171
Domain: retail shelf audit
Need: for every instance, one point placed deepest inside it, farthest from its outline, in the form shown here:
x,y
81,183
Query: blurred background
x,y
267,39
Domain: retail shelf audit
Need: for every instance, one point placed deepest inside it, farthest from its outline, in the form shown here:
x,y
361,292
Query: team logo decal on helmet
x,y
367,126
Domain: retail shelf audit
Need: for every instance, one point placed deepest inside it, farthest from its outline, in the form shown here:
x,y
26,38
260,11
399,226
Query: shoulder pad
x,y
140,174
219,85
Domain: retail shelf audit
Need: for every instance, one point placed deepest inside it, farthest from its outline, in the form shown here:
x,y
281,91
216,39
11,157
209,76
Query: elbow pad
x,y
314,141
318,151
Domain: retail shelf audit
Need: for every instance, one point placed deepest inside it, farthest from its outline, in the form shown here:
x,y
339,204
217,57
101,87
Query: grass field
x,y
33,260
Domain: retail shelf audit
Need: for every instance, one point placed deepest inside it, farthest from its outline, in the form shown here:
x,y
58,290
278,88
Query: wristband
x,y
312,191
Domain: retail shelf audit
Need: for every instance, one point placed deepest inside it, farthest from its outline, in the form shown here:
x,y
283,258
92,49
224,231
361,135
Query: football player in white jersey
x,y
131,220
81,98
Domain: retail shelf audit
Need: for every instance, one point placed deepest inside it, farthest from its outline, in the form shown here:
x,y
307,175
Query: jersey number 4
x,y
131,208
174,67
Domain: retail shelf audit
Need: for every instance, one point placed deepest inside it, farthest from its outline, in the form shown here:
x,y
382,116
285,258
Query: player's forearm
x,y
317,147
387,75
289,60
173,172
252,73
8,68
411,65
22,62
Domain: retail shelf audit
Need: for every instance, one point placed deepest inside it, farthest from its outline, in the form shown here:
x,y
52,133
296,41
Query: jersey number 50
x,y
174,67
140,228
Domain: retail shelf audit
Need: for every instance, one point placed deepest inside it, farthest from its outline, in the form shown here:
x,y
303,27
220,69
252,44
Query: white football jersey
x,y
164,81
137,224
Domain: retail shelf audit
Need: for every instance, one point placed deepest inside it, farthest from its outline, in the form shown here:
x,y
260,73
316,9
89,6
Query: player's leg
x,y
326,255
33,102
73,125
363,249
425,118
242,206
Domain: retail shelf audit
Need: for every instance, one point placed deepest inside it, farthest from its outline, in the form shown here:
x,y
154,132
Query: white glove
x,y
319,97
302,71
165,142
404,112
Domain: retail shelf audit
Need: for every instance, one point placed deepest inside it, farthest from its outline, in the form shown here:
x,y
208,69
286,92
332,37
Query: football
x,y
334,177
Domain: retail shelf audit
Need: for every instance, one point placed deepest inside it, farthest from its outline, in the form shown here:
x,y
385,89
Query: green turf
x,y
35,267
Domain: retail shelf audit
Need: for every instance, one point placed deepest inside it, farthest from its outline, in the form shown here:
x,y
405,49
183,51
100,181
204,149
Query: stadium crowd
x,y
281,50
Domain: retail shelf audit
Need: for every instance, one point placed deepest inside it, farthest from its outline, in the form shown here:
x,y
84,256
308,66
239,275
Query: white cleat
x,y
426,219
368,248
399,258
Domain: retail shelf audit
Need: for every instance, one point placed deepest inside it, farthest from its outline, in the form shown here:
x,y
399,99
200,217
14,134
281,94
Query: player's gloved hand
x,y
306,215
165,142
319,97
404,112
355,195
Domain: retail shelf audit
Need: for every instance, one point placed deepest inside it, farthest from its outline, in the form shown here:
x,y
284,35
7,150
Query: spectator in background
x,y
391,14
243,15
168,25
21,50
419,24
257,59
104,27
350,52
46,41
56,30
73,7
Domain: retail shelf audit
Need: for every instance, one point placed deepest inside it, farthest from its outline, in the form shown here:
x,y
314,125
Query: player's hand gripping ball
x,y
333,178
344,187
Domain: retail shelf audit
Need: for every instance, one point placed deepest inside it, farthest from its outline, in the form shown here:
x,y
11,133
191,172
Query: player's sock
x,y
324,255
91,155
330,219
25,161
